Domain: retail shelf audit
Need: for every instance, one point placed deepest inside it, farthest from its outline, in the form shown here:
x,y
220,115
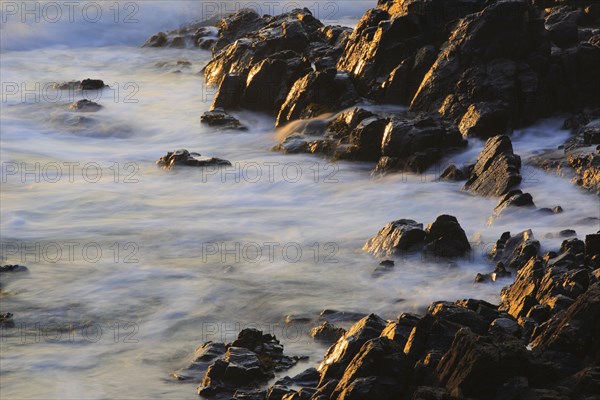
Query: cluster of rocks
x,y
444,238
579,157
86,84
202,34
237,369
185,158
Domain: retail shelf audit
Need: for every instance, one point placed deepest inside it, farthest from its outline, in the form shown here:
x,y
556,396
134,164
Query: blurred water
x,y
170,276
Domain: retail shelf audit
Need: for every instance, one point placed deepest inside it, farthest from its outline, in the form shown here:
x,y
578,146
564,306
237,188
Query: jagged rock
x,y
85,106
485,120
476,365
587,171
219,118
348,346
445,238
185,158
252,359
203,357
453,173
496,170
317,93
577,331
396,238
415,144
229,95
515,251
399,330
512,202
327,332
199,34
499,273
378,371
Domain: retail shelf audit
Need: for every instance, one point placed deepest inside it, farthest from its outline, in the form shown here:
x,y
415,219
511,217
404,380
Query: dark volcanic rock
x,y
317,93
443,238
475,366
415,144
396,238
515,251
251,360
348,346
219,118
185,158
327,332
496,170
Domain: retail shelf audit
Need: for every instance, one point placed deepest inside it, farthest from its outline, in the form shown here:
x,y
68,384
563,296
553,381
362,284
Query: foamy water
x,y
192,255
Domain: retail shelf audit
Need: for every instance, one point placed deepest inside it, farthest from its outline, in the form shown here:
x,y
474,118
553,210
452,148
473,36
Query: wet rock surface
x,y
185,158
444,238
497,169
220,119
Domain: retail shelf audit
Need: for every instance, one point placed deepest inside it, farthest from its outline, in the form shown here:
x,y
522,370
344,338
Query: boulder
x,y
415,144
397,238
317,93
485,120
219,118
185,158
327,332
496,170
516,251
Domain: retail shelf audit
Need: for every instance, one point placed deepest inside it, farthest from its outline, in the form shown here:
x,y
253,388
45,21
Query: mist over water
x,y
192,255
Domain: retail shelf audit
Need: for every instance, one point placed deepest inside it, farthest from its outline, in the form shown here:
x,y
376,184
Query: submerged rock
x,y
185,158
85,106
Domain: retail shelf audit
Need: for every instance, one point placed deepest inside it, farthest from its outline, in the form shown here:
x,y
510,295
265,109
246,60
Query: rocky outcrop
x,y
238,367
327,332
496,170
185,158
515,251
443,238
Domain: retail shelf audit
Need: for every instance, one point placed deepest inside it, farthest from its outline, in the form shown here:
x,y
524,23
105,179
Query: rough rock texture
x,y
496,170
185,158
515,251
327,332
252,359
220,119
443,238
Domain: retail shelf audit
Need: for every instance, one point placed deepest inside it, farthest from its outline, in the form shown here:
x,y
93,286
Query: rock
x,y
378,371
446,238
592,250
415,144
340,316
70,85
237,26
252,359
367,137
317,93
185,158
294,144
327,332
443,238
515,251
496,170
453,173
92,84
485,120
399,330
85,106
220,119
229,95
512,201
199,34
348,346
505,325
587,171
396,238
561,23
13,268
475,365
203,357
577,332
499,273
